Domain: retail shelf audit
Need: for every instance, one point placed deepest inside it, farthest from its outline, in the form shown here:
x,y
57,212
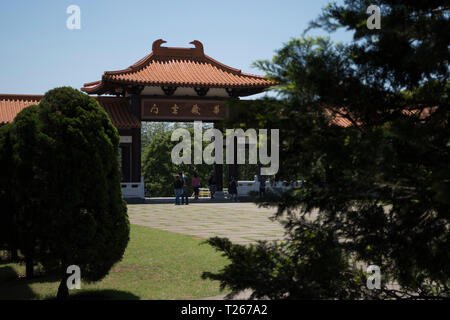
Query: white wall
x,y
133,189
245,187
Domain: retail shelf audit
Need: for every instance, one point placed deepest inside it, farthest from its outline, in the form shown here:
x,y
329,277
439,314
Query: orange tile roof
x,y
11,105
117,109
186,67
342,118
339,117
421,113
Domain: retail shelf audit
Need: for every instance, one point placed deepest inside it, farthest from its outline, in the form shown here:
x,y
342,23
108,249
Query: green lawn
x,y
157,265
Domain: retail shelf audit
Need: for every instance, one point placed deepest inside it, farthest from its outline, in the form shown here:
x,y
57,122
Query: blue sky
x,y
38,52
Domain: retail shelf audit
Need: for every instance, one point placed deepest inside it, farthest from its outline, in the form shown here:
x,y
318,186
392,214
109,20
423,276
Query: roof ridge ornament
x,y
157,44
197,51
198,45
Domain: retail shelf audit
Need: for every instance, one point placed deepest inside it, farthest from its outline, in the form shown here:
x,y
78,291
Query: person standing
x,y
184,193
212,184
232,189
196,185
178,187
262,186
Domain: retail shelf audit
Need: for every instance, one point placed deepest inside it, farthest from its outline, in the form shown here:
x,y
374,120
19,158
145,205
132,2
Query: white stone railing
x,y
133,189
245,187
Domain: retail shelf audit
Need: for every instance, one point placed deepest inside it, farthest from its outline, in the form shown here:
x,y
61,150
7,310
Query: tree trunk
x,y
13,241
13,254
63,290
29,266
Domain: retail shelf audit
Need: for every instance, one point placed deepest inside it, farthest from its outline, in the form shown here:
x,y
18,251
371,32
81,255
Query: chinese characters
x,y
180,109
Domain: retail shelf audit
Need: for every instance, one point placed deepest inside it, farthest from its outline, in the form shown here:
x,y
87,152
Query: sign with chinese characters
x,y
183,109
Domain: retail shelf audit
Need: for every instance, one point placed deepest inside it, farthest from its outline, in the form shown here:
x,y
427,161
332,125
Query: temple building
x,y
170,84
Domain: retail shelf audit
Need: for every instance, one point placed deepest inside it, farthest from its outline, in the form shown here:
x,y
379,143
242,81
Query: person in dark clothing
x,y
232,189
184,193
262,186
212,184
178,187
196,185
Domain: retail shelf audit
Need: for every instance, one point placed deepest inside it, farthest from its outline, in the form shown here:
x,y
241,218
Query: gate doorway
x,y
169,85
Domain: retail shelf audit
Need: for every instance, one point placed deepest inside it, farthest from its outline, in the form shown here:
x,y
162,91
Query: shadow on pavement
x,y
12,287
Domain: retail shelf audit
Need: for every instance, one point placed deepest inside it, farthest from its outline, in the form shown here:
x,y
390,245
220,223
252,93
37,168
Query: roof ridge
x,y
223,66
23,96
134,67
108,98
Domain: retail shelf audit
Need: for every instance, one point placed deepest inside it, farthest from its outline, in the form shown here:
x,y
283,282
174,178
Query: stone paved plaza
x,y
242,223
